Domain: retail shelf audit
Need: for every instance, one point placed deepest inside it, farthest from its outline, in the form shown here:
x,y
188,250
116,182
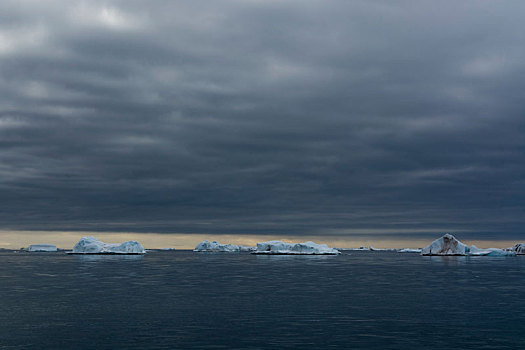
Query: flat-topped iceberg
x,y
372,249
409,250
518,248
446,245
473,250
306,248
42,248
91,245
214,246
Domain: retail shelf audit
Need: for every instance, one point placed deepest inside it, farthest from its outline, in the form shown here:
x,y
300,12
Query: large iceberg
x,y
91,245
306,248
473,250
42,248
449,245
518,248
446,245
214,246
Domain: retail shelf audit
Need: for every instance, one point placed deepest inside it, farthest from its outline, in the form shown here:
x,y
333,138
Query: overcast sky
x,y
297,117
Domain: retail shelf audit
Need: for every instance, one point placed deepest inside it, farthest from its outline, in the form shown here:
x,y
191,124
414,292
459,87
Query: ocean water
x,y
186,300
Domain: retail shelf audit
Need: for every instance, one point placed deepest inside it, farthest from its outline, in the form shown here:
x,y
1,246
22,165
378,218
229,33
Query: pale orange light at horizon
x,y
66,240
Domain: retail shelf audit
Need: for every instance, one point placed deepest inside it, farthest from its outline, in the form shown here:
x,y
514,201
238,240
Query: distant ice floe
x,y
490,252
372,249
42,248
409,250
91,245
449,245
214,246
306,248
518,248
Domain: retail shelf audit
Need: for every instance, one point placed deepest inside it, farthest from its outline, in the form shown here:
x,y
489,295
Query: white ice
x,y
91,245
446,245
372,249
42,248
214,246
449,245
489,252
409,250
306,248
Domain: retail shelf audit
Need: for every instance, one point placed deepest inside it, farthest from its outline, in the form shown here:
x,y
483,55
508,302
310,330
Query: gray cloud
x,y
262,116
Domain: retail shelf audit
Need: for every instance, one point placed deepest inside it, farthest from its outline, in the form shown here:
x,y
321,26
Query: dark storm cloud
x,y
305,117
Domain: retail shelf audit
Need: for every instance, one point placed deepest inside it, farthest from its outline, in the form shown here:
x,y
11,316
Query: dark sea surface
x,y
186,300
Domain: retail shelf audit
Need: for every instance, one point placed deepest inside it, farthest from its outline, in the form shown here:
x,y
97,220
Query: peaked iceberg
x,y
306,248
214,246
446,245
42,248
91,245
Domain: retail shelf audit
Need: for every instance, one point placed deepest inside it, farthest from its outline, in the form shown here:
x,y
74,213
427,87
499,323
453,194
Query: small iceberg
x,y
216,247
475,251
359,249
446,245
91,245
372,249
42,248
409,250
306,248
518,248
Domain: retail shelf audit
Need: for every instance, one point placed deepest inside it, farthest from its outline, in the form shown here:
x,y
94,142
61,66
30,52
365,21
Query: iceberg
x,y
372,249
475,251
91,245
518,248
409,250
449,245
214,246
446,245
42,248
306,248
